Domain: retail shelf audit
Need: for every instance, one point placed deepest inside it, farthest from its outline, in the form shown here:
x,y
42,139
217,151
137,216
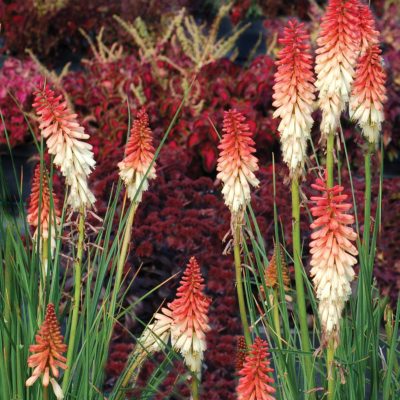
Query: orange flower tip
x,y
369,94
333,254
294,95
46,224
255,382
190,320
66,140
136,168
338,48
48,352
236,163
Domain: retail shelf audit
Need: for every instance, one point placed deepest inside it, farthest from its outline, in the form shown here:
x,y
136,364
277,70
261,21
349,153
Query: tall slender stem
x,y
45,393
239,283
124,250
367,196
331,348
330,158
330,371
77,297
298,270
42,280
277,322
195,388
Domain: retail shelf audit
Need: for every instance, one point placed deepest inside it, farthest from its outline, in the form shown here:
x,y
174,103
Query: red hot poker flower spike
x,y
236,163
337,52
190,320
369,94
48,352
255,382
139,155
43,205
333,255
294,96
65,139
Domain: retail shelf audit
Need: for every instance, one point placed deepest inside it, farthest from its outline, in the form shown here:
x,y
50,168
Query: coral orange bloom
x,y
190,320
65,140
48,351
294,96
45,224
337,52
333,255
236,162
139,155
255,383
369,94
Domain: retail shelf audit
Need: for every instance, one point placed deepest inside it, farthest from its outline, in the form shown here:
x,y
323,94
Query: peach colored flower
x,y
236,162
294,96
48,352
333,255
369,94
255,382
190,320
139,155
65,140
46,224
337,52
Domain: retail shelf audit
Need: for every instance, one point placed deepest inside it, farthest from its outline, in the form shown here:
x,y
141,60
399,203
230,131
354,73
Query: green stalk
x,y
239,284
367,196
329,365
277,322
330,158
76,300
124,251
331,348
298,270
195,388
42,281
45,393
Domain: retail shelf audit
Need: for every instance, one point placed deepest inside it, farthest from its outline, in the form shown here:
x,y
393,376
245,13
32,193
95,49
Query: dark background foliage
x,y
183,213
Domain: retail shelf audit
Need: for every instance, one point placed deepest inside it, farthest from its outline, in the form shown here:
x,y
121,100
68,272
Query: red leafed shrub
x,y
18,79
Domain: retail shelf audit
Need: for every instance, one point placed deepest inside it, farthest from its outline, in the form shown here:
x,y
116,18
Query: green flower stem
x,y
76,300
42,281
195,388
277,322
330,158
331,349
239,284
124,250
298,270
367,197
330,370
45,393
